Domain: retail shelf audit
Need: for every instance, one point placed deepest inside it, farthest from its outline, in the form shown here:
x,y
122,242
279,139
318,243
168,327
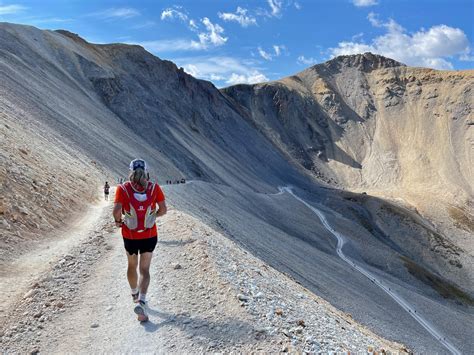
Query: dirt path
x,y
188,310
206,295
16,278
83,303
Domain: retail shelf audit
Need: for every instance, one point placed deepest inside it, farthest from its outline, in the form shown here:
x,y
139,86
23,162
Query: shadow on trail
x,y
176,243
205,331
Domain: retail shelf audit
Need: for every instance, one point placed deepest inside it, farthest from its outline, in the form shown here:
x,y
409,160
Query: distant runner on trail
x,y
106,191
140,201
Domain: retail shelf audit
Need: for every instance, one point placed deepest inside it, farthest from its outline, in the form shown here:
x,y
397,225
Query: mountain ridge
x,y
78,113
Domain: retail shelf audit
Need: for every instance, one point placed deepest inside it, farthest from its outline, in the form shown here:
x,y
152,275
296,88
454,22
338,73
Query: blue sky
x,y
230,42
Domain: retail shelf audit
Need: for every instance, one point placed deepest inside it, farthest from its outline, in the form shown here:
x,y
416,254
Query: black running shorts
x,y
135,246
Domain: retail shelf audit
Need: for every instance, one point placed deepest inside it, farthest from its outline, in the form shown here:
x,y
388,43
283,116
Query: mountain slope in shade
x,y
88,109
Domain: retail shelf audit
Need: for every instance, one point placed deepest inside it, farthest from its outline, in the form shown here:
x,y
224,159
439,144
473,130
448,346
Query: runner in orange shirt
x,y
140,202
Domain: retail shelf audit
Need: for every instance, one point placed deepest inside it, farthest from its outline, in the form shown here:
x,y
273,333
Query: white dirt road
x,y
396,297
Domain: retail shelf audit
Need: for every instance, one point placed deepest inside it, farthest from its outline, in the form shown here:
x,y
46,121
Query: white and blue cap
x,y
138,164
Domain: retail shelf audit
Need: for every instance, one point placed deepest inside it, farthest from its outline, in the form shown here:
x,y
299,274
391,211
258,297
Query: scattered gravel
x,y
219,299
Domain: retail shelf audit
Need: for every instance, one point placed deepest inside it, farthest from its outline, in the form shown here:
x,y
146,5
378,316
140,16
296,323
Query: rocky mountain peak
x,y
71,35
365,62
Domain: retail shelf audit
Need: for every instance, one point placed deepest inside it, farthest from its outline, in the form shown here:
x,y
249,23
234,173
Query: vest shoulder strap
x,y
127,187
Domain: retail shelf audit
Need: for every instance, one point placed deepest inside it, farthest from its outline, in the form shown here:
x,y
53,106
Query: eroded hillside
x,y
74,114
368,123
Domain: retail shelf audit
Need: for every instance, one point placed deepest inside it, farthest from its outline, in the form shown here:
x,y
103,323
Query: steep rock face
x,y
369,123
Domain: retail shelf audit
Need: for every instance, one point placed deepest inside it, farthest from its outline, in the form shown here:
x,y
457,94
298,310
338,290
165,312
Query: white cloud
x,y
51,20
277,51
170,45
11,9
239,16
122,12
306,61
466,57
252,78
212,37
428,48
171,14
357,36
364,3
192,25
223,70
374,19
213,34
263,54
275,6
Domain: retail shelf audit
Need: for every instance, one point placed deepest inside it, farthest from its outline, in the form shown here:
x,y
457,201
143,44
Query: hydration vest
x,y
139,215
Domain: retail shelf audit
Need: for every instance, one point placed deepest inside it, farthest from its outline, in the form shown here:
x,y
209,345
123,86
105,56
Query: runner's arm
x,y
117,213
161,208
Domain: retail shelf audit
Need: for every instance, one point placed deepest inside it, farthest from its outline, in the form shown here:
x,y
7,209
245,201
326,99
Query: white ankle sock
x,y
134,291
142,297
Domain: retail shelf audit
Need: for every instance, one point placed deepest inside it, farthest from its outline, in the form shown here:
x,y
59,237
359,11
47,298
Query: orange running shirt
x,y
121,197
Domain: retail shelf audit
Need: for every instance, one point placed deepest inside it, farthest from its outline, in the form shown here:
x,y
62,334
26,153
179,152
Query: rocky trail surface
x,y
206,295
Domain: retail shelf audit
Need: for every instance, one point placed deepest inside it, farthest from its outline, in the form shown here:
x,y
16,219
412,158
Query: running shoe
x,y
140,311
135,297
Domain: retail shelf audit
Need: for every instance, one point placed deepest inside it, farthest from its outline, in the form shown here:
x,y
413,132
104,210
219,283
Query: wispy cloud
x,y
146,24
239,16
265,55
269,55
306,61
278,49
11,9
431,48
467,57
117,13
223,70
364,3
46,20
171,14
275,6
193,25
212,36
170,45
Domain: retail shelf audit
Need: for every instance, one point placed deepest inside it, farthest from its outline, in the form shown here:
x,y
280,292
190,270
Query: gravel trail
x,y
206,295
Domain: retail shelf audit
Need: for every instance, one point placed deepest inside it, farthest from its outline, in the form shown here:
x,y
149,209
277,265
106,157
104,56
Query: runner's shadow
x,y
152,327
176,243
205,331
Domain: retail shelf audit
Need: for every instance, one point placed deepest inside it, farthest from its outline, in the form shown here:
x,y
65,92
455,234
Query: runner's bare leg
x,y
145,261
132,275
